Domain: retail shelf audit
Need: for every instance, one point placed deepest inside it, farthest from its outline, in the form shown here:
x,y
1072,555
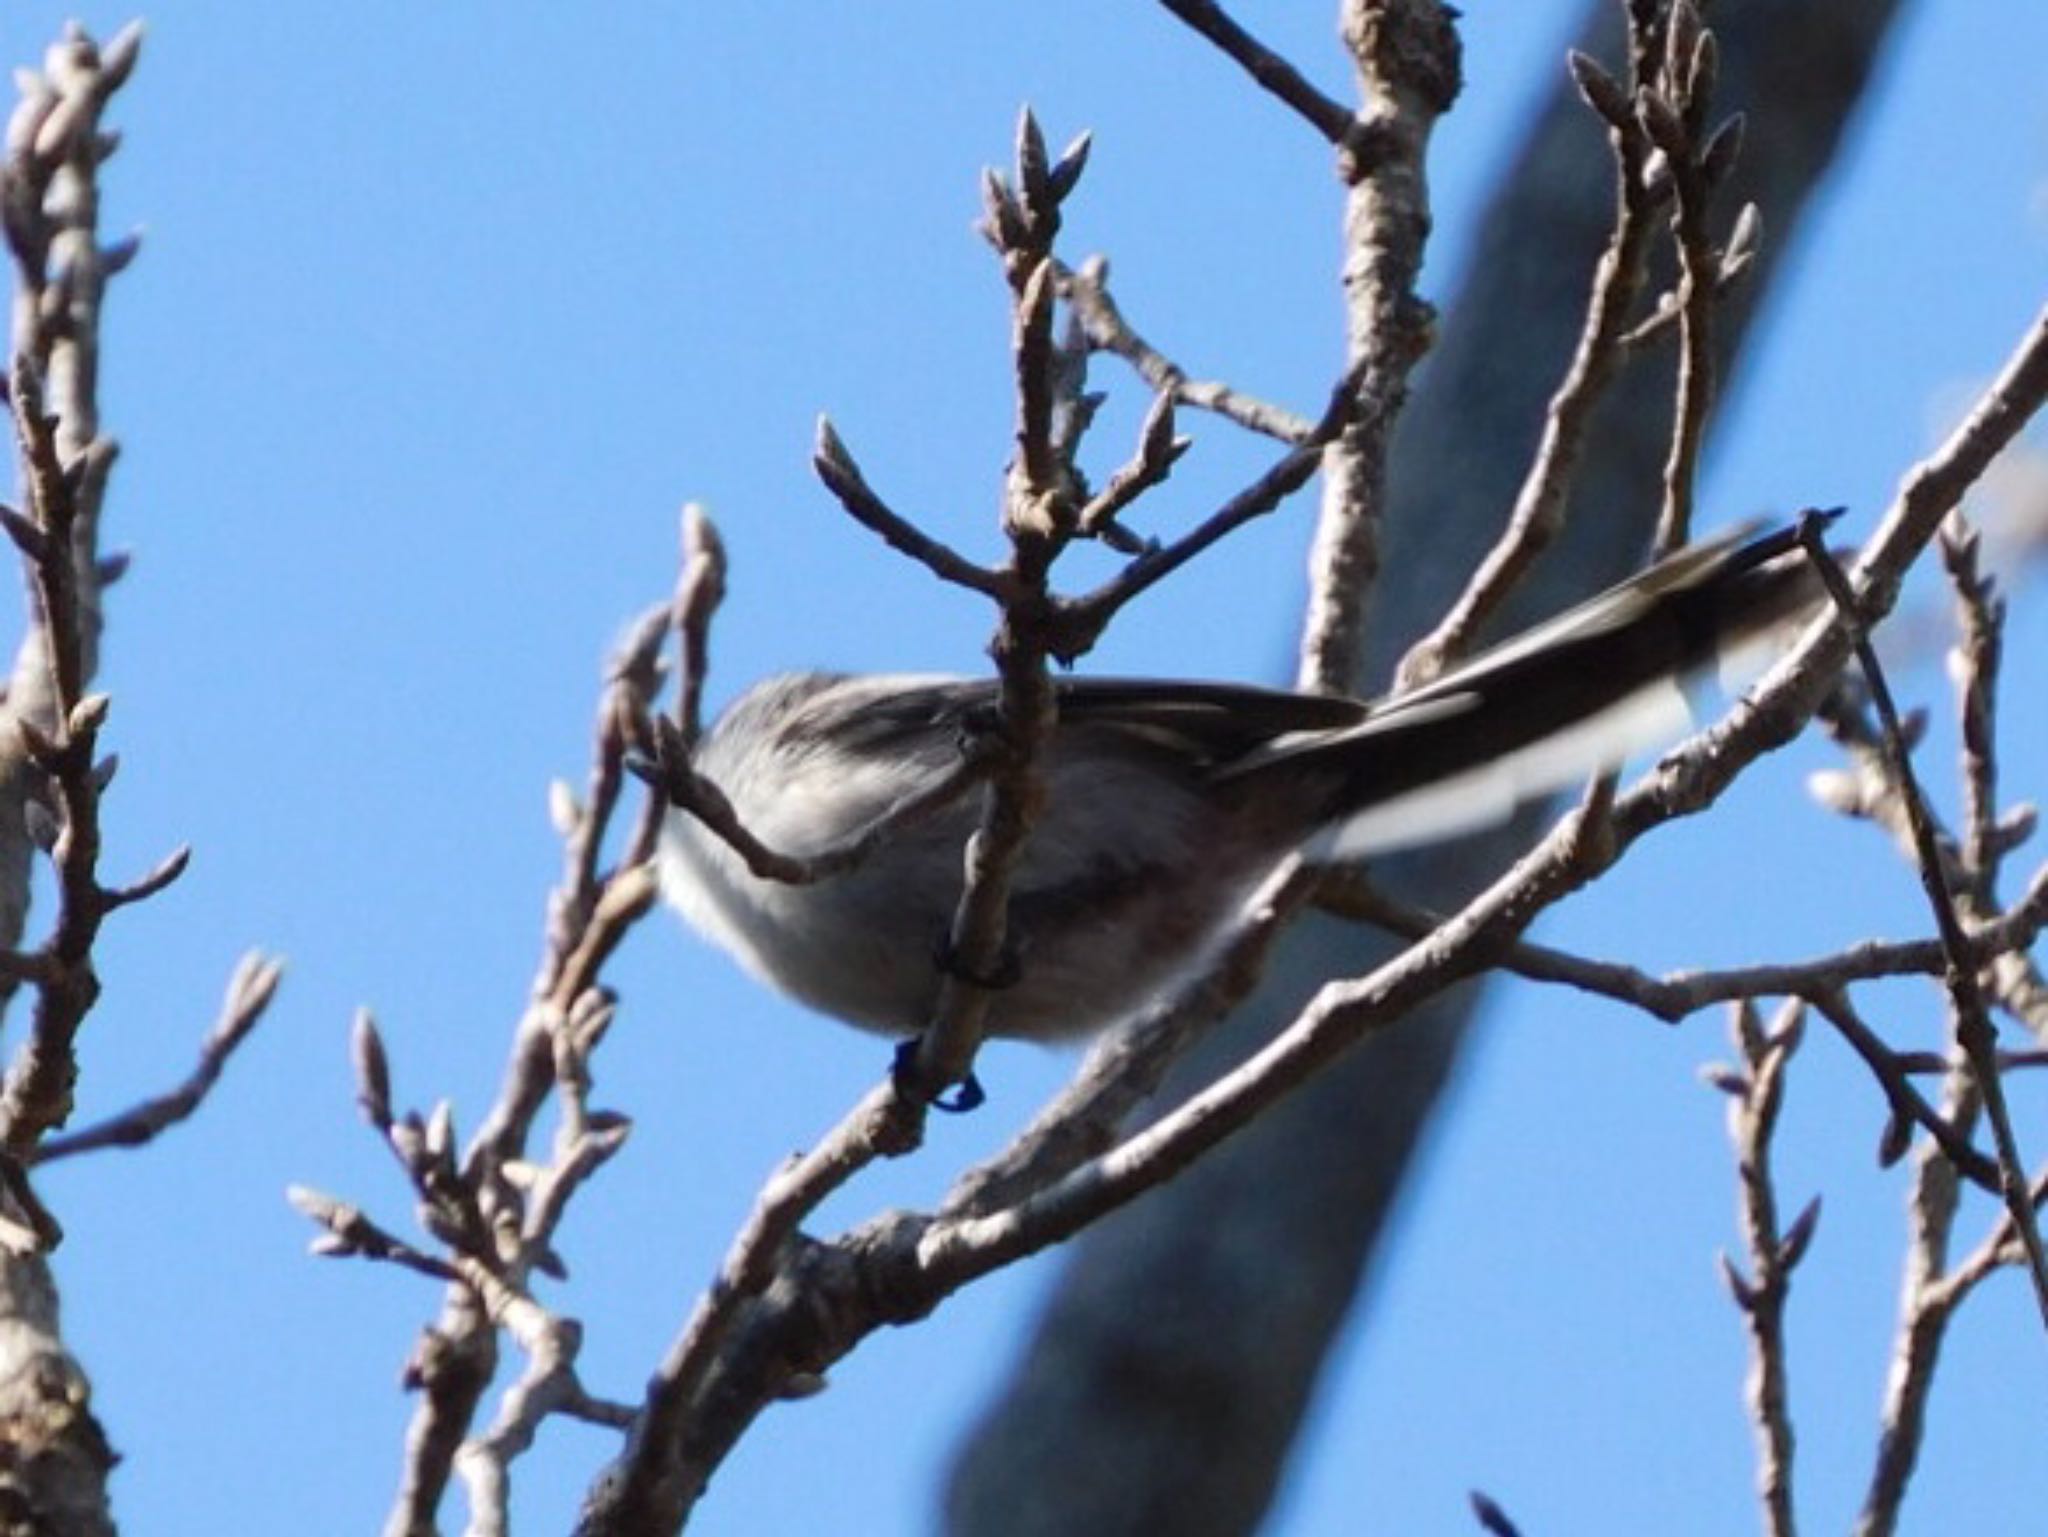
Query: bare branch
x,y
549,1385
1975,1035
1736,258
498,1211
1757,1095
1674,114
1409,65
1039,518
654,1483
1158,451
681,786
250,990
51,775
1079,622
1908,1108
1086,290
1820,982
1537,516
1973,667
166,872
699,591
1127,1066
1275,75
1928,1305
1677,994
842,477
350,1232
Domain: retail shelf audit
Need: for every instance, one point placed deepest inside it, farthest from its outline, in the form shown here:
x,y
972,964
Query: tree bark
x,y
54,1459
1163,1388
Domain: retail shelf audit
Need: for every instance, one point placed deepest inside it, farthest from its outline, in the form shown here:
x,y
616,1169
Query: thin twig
x,y
1736,259
250,990
842,477
1272,73
1674,114
650,1489
2001,1246
590,910
699,591
1974,662
55,146
1086,290
1867,789
349,1232
498,1210
1757,1094
1926,1304
1675,995
1158,451
1975,1035
548,1386
1538,514
1078,622
1908,1106
1930,1293
688,791
700,588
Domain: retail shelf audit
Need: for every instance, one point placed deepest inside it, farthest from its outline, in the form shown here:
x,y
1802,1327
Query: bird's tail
x,y
1625,671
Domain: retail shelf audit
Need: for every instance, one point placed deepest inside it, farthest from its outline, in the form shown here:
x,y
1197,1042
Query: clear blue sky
x,y
444,310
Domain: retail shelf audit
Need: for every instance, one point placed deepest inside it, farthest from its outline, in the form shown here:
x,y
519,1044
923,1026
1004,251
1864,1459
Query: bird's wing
x,y
1208,722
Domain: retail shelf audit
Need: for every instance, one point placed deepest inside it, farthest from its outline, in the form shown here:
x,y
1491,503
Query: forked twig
x,y
1975,1036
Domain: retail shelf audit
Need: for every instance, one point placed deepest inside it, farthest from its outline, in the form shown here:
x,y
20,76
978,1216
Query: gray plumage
x,y
1168,801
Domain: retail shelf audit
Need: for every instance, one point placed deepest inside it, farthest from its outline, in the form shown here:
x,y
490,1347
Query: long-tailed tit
x,y
1168,801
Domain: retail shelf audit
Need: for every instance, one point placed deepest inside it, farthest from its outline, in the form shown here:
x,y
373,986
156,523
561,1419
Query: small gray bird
x,y
1169,801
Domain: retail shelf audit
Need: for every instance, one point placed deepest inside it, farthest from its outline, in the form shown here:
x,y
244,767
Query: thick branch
x,y
1409,63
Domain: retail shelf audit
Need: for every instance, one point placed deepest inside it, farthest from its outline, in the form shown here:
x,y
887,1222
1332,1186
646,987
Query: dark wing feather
x,y
1216,721
1208,722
